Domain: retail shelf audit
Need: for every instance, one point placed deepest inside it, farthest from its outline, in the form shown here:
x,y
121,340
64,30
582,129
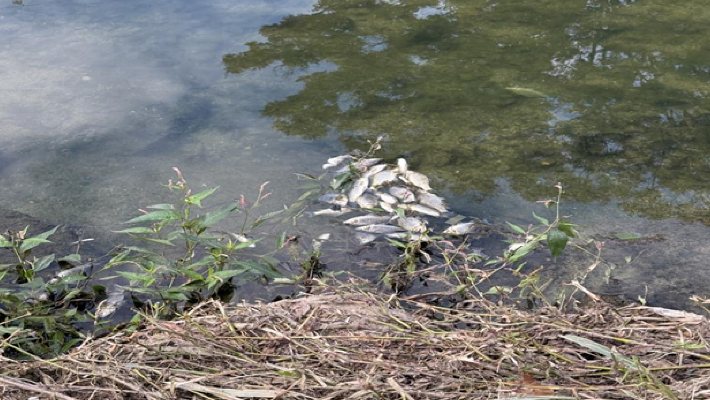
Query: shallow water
x,y
496,101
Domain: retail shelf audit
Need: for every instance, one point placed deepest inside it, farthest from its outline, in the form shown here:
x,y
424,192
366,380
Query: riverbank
x,y
348,343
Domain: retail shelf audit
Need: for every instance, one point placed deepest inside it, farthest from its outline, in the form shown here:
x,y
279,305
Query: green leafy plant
x,y
186,260
39,310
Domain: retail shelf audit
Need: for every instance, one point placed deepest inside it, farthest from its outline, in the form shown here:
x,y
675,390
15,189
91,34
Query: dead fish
x,y
383,177
403,194
412,237
417,179
74,270
335,161
328,212
460,229
367,200
379,228
109,306
374,169
418,208
432,201
525,92
387,207
387,198
365,238
402,166
358,188
334,198
369,219
412,224
368,162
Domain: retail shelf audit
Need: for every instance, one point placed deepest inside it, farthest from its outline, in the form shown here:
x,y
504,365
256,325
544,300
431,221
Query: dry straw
x,y
346,344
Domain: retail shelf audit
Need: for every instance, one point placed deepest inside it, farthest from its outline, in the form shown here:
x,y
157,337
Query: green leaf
x,y
556,241
31,243
71,258
214,217
224,275
152,240
47,234
257,268
132,276
542,220
516,228
160,215
4,242
523,250
601,349
627,236
567,228
196,199
136,229
43,262
340,180
162,206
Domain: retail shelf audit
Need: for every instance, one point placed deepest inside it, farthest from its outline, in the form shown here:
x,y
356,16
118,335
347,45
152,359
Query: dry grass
x,y
352,345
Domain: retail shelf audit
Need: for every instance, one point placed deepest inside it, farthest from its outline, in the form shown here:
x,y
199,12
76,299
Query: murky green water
x,y
496,101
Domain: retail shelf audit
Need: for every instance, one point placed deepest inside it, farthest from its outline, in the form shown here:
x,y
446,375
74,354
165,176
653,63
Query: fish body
x,y
382,178
329,212
369,219
432,201
402,167
374,169
418,208
368,162
387,207
335,161
334,198
412,224
365,238
403,194
109,306
367,200
358,188
387,198
379,228
460,229
412,237
417,179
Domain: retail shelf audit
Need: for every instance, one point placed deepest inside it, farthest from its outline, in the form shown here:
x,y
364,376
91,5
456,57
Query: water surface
x,y
496,101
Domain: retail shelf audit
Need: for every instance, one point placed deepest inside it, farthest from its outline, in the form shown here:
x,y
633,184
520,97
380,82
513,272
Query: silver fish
x,y
379,228
387,207
365,238
402,166
412,237
404,194
109,306
367,200
460,229
75,270
334,198
351,167
412,224
417,179
418,208
367,219
383,177
335,161
328,212
358,188
432,201
387,198
368,162
374,169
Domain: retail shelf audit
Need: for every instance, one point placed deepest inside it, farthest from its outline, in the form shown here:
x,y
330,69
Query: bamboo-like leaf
x,y
43,262
136,229
601,349
31,243
162,206
4,242
214,217
160,215
196,199
516,228
542,220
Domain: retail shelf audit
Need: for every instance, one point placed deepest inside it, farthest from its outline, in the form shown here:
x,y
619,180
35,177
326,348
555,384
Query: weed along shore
x,y
163,315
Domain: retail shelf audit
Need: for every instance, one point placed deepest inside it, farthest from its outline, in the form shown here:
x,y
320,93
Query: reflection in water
x,y
627,117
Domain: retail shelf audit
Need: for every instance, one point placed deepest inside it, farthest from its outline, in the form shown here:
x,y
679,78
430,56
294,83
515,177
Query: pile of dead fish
x,y
396,200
